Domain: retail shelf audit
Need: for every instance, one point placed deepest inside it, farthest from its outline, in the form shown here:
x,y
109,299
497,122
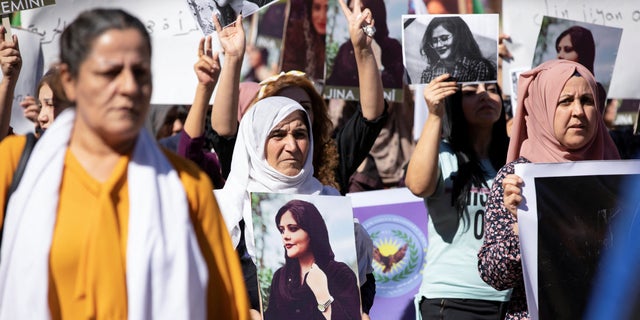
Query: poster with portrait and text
x,y
592,45
341,74
290,232
522,20
463,45
564,224
396,221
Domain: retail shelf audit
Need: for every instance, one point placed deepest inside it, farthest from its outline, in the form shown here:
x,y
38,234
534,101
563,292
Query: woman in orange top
x,y
104,224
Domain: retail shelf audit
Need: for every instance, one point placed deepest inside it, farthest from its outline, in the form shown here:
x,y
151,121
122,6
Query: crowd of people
x,y
119,226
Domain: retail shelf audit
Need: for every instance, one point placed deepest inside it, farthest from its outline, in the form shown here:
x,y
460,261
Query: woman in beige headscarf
x,y
558,120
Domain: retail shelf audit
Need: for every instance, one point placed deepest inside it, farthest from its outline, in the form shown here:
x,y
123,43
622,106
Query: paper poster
x,y
341,76
265,40
174,38
396,220
315,215
29,77
304,41
564,226
594,46
465,46
226,10
522,19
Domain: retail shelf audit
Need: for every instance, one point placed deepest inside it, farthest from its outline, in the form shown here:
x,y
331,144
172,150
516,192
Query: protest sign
x,y
29,76
474,62
337,216
341,76
174,37
563,223
8,6
394,219
522,20
226,10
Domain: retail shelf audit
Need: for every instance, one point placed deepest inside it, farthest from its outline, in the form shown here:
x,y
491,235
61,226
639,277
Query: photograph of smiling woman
x,y
438,44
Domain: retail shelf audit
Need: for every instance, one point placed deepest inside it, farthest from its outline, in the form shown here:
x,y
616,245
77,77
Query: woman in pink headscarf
x,y
558,120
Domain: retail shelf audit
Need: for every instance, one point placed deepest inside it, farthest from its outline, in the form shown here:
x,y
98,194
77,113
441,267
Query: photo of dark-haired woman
x,y
437,44
576,41
311,283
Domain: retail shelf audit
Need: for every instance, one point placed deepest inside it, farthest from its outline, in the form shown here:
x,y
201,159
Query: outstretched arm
x,y
10,63
423,169
224,116
370,81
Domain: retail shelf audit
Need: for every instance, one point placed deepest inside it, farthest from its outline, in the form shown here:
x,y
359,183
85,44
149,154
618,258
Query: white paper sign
x,y
522,19
174,35
529,210
30,52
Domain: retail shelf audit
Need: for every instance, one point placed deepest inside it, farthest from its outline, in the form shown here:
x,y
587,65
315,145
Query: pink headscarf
x,y
532,133
248,92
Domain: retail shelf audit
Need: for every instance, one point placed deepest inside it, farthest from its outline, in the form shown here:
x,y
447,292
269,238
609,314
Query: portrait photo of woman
x,y
304,41
575,41
303,276
435,45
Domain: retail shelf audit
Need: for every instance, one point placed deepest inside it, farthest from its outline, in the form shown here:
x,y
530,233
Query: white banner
x,y
522,19
174,35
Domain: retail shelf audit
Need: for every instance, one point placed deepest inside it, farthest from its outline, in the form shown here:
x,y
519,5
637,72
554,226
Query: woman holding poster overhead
x,y
463,143
559,121
449,47
104,224
311,284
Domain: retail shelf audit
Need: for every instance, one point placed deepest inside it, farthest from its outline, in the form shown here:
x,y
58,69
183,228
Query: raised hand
x,y
357,19
207,67
30,108
232,38
436,92
10,59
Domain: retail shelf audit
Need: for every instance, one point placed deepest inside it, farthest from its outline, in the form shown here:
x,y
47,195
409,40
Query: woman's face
x,y
574,123
319,15
566,50
112,89
441,41
481,104
296,241
48,110
288,145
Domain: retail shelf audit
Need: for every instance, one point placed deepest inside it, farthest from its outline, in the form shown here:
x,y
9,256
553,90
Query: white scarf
x,y
250,171
166,274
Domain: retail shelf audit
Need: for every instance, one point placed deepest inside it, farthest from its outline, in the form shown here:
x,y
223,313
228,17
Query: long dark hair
x,y
470,172
583,43
308,219
76,41
463,41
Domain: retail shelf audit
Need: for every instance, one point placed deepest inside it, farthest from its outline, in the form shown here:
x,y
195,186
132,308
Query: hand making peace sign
x,y
357,19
